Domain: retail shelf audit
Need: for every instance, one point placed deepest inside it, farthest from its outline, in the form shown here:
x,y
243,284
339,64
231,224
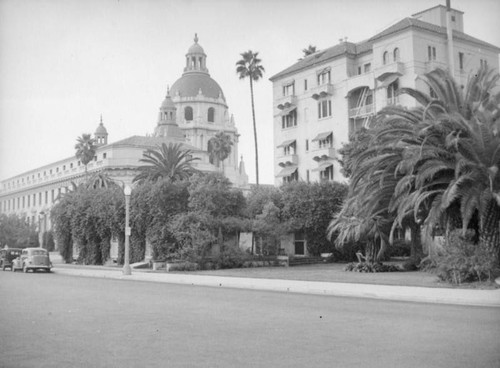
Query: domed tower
x,y
202,110
101,135
167,125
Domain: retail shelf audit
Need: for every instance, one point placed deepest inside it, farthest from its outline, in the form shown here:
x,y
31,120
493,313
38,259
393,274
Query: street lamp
x,y
41,216
126,263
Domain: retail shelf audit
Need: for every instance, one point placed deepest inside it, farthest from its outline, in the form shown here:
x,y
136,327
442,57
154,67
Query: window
x,y
188,113
289,120
307,176
40,198
211,115
396,54
46,197
324,77
431,53
104,155
324,109
307,145
305,84
292,177
289,150
326,174
71,165
359,70
29,200
385,58
300,243
325,142
289,89
52,195
367,67
392,90
461,60
452,18
483,63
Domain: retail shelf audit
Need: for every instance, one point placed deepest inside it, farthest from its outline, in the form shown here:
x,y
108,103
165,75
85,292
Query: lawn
x,y
334,272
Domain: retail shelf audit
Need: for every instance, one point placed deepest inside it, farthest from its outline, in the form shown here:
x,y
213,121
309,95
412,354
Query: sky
x,y
64,63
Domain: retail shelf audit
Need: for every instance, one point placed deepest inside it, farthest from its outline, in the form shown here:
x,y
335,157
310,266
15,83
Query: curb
x,y
480,298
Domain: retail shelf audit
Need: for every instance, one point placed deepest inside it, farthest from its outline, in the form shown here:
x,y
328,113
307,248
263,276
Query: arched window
x,y
396,54
385,57
211,115
188,113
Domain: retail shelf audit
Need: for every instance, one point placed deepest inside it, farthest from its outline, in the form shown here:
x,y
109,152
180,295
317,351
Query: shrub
x,y
464,261
370,267
230,257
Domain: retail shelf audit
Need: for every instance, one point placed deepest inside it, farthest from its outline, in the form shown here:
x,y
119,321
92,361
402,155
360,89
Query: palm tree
x,y
249,66
219,148
439,161
166,162
309,50
85,150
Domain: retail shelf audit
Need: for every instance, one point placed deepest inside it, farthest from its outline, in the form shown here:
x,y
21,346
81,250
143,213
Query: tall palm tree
x,y
219,149
85,150
170,162
249,67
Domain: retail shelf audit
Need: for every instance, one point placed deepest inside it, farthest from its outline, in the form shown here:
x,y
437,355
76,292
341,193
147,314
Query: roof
x,y
355,49
148,142
191,83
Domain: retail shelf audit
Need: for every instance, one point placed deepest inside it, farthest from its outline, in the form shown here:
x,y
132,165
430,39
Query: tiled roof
x,y
417,23
142,141
367,45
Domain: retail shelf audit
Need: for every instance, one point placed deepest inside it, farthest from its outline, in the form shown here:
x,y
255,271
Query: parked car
x,y
33,259
7,256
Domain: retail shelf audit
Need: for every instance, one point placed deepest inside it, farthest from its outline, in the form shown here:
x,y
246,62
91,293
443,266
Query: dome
x,y
101,129
190,84
167,103
196,49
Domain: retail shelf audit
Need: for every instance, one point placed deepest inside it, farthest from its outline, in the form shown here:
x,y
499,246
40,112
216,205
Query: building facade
x,y
192,112
322,99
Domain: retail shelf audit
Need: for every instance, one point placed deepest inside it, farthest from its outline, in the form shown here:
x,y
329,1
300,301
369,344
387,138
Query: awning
x,y
323,166
286,143
287,171
287,110
322,136
390,79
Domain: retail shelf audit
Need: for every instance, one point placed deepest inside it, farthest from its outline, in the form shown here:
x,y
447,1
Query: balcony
x,y
361,111
362,80
391,68
287,160
287,101
324,153
322,91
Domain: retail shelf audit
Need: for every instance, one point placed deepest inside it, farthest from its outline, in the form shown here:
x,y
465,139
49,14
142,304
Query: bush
x,y
184,266
230,257
399,248
464,261
370,267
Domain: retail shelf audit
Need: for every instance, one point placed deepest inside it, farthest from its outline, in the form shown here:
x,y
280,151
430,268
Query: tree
x,y
249,67
433,166
219,148
85,150
166,162
16,233
309,50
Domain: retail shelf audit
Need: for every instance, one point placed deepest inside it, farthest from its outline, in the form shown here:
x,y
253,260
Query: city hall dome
x,y
196,80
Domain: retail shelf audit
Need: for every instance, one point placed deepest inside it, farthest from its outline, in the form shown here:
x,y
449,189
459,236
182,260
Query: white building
x,y
320,100
195,101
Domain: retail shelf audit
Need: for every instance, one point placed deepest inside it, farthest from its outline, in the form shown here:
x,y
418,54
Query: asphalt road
x,y
50,320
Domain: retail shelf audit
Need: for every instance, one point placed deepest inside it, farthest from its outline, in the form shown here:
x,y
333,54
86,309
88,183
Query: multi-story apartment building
x,y
320,100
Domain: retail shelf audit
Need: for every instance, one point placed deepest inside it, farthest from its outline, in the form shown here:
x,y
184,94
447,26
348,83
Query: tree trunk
x,y
490,229
416,250
255,135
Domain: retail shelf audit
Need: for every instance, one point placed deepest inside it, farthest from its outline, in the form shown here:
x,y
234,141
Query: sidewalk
x,y
485,298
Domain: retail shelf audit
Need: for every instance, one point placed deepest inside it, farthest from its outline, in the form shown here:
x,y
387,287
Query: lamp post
x,y
41,216
126,263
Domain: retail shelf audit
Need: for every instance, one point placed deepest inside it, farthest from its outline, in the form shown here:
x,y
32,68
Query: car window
x,y
39,252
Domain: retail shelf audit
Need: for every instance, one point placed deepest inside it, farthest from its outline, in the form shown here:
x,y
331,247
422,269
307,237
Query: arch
x,y
211,115
385,57
188,113
396,54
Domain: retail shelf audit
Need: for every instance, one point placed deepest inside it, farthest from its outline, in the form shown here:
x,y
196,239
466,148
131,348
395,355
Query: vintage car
x,y
7,256
32,259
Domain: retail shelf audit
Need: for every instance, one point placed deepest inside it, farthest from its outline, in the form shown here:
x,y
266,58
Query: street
x,y
51,320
